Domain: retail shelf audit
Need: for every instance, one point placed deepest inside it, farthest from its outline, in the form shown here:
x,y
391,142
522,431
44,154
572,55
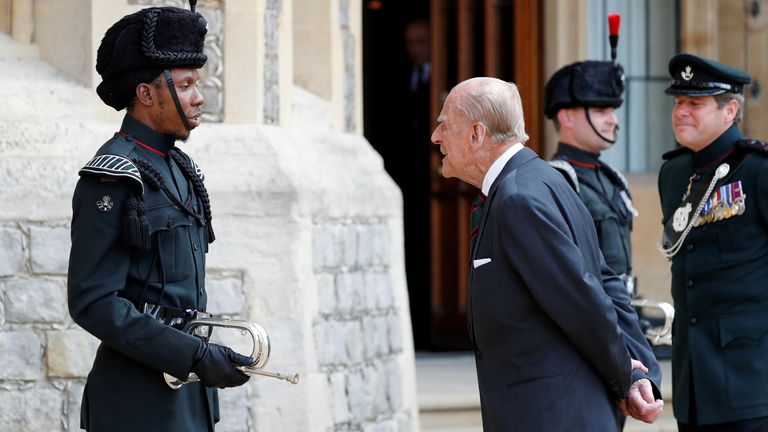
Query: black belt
x,y
174,317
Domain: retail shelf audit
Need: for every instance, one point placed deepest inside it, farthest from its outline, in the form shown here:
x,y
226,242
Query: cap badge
x,y
687,74
105,204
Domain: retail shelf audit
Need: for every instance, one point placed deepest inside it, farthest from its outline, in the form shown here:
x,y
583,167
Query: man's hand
x,y
215,365
640,403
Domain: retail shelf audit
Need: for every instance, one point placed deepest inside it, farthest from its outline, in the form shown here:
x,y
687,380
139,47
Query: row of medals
x,y
726,202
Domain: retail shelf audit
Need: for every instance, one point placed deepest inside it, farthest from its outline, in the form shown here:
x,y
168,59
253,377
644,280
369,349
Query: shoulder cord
x,y
156,181
183,161
721,172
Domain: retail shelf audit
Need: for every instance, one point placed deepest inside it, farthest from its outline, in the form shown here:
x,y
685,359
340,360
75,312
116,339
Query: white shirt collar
x,y
498,165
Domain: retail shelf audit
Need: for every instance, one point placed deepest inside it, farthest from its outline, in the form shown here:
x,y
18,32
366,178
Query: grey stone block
x,y
384,426
12,252
394,385
2,305
21,356
339,402
380,242
31,410
376,340
330,343
70,353
359,401
349,238
35,300
395,334
354,342
344,293
405,423
225,296
350,291
72,410
381,341
325,247
326,293
376,383
369,334
379,290
49,247
233,404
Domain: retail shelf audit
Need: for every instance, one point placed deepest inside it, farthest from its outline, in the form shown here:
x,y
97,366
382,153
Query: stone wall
x,y
309,245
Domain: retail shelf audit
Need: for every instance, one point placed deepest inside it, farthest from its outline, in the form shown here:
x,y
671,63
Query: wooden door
x,y
498,38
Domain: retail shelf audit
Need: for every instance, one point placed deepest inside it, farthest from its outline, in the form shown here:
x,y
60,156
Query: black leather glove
x,y
215,366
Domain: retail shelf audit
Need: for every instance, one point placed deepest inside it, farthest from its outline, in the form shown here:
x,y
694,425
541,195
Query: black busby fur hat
x,y
141,45
588,84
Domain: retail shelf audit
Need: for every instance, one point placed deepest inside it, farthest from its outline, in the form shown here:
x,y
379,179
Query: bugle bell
x,y
658,335
260,353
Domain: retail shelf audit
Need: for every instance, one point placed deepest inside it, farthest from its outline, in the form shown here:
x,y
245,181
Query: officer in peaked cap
x,y
714,199
581,98
141,226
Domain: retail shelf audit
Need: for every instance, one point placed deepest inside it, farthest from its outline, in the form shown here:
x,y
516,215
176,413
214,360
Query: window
x,y
648,39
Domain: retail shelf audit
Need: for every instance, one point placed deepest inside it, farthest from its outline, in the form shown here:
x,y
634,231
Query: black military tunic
x,y
720,285
605,193
109,283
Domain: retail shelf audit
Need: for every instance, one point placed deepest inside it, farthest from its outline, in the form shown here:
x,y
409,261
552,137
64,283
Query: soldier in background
x,y
714,200
581,98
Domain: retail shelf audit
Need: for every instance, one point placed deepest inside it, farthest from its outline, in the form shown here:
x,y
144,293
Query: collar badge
x,y
105,204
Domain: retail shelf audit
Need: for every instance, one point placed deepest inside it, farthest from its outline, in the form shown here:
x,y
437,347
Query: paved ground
x,y
449,400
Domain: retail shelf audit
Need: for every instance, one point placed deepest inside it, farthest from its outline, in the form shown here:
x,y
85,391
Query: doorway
x,y
466,38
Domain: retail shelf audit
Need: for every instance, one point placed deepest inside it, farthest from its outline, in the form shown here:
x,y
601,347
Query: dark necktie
x,y
475,214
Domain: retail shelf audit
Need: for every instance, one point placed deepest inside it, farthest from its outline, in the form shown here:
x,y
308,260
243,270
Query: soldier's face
x,y
605,122
167,117
697,121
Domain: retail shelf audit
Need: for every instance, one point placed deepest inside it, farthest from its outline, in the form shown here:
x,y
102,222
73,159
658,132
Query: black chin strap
x,y
589,120
172,89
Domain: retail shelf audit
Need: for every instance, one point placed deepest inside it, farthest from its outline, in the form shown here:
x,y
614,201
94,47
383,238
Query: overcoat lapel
x,y
523,156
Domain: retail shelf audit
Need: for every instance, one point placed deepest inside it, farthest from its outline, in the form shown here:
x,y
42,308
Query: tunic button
x,y
692,321
689,284
128,138
170,223
689,247
194,247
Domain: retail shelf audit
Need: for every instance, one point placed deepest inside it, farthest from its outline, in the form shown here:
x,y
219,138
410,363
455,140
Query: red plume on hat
x,y
613,33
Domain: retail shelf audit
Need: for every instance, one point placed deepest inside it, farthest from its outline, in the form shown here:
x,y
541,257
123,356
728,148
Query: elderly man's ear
x,y
478,132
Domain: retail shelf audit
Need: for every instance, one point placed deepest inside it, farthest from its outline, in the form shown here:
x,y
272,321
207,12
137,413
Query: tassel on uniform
x,y
209,231
209,235
135,225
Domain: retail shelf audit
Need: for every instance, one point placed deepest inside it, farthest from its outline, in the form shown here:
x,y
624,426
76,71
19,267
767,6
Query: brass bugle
x,y
660,335
260,353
